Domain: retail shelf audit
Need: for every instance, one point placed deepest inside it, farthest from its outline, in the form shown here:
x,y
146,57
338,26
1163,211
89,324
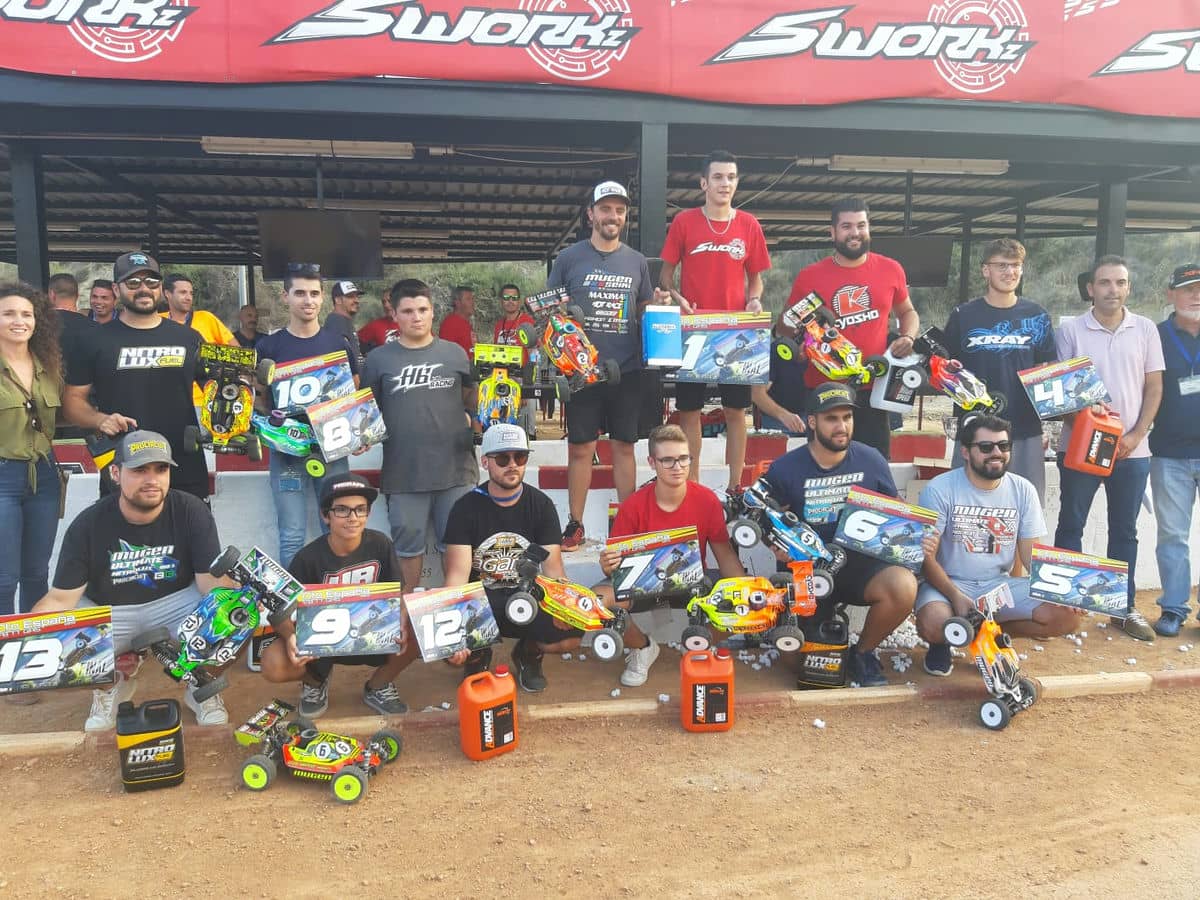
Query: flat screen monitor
x,y
926,258
344,243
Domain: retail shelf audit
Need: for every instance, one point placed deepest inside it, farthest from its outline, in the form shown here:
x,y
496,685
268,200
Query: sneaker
x,y
385,700
528,669
103,716
938,660
865,669
638,663
210,712
572,537
479,661
1137,627
1168,625
314,699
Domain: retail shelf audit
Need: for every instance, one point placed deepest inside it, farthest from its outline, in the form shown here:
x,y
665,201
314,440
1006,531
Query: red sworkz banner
x,y
1130,56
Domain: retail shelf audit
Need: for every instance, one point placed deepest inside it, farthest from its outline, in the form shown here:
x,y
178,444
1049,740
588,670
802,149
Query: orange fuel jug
x,y
706,690
487,714
1093,444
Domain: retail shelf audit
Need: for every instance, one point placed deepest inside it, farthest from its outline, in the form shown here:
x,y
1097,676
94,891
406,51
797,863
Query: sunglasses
x,y
989,446
31,411
674,462
520,457
510,296
136,282
304,268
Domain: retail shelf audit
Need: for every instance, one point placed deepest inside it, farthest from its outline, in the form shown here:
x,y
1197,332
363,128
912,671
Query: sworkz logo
x,y
1159,51
825,34
157,14
475,25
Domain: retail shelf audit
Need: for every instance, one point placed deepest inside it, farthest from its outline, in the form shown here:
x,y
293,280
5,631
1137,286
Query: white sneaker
x,y
210,712
103,716
638,663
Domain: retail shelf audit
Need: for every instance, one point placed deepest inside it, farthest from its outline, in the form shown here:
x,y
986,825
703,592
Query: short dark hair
x,y
459,290
410,287
102,283
300,270
510,287
972,424
173,279
1109,259
847,205
64,283
716,156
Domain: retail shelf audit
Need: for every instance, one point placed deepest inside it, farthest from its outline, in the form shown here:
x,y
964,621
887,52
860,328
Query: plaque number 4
x,y
46,654
1049,392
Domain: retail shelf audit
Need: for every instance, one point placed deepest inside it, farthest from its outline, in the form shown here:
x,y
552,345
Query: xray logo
x,y
123,31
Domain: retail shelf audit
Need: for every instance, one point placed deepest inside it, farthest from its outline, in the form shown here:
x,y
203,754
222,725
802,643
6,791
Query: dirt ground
x,y
1093,797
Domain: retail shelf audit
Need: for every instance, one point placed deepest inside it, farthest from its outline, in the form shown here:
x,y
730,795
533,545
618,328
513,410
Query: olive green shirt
x,y
18,438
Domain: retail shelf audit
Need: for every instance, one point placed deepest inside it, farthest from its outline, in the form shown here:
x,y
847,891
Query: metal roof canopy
x,y
501,172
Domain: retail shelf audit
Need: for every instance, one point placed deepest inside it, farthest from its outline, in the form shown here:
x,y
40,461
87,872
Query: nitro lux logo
x,y
1159,51
975,44
151,357
123,31
735,248
577,46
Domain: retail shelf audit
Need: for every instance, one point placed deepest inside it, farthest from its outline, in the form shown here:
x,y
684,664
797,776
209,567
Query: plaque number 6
x,y
862,525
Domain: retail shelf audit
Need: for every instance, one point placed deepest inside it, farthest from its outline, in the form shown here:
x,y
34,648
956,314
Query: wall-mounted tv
x,y
344,243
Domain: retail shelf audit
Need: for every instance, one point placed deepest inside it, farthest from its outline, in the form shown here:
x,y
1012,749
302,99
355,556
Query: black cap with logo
x,y
827,396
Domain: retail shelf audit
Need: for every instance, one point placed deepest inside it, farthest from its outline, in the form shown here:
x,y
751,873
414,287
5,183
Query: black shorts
x,y
690,397
850,584
611,408
321,668
542,629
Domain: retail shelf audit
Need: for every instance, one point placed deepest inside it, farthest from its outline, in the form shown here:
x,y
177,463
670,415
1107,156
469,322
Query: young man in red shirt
x,y
863,290
723,254
457,325
671,500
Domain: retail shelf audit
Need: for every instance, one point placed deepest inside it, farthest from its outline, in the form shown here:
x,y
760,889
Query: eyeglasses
x,y
31,411
989,446
345,512
520,457
136,282
674,462
1005,266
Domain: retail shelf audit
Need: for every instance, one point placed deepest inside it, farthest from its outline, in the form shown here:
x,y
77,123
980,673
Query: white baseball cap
x,y
342,288
502,437
609,189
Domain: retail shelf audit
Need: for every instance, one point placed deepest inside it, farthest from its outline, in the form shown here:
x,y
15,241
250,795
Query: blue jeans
x,y
288,484
1124,488
1175,483
28,523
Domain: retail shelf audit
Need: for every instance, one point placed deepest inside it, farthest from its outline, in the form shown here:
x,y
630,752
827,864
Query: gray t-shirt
x,y
979,528
429,446
339,324
607,287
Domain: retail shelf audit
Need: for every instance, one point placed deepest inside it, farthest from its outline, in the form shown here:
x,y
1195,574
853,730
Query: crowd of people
x,y
127,370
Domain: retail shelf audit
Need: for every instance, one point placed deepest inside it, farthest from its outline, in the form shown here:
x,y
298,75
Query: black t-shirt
x,y
76,339
787,384
284,347
374,561
147,373
498,535
343,325
123,564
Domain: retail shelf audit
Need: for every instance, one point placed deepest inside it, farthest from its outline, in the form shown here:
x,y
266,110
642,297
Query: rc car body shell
x,y
998,663
567,348
824,345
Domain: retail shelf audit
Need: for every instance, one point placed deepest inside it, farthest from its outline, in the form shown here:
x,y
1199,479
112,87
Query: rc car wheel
x,y
696,637
786,638
389,742
253,448
607,644
191,439
787,349
258,772
225,563
521,608
349,785
211,689
526,335
877,366
958,631
994,714
146,639
562,387
999,403
745,533
823,582
612,371
574,312
314,467
265,371
780,579
913,379
1029,689
276,417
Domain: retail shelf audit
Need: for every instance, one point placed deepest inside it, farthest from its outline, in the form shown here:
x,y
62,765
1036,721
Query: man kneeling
x,y
986,517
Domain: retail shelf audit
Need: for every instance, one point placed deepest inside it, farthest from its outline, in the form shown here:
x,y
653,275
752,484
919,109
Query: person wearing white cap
x,y
609,281
346,298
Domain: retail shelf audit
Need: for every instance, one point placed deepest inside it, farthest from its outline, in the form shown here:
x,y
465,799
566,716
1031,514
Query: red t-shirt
x,y
640,513
505,332
376,333
862,300
715,261
458,329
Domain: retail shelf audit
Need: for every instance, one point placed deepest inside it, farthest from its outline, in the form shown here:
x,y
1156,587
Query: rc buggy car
x,y
345,762
571,603
949,377
997,661
291,436
213,635
757,517
557,331
825,346
750,604
497,369
228,375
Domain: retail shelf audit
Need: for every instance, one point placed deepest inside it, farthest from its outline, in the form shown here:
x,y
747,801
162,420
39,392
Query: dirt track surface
x,y
1094,797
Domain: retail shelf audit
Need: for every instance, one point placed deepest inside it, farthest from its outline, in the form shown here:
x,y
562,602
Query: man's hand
x,y
293,652
685,305
754,305
459,657
792,422
930,544
662,298
961,604
1128,443
609,560
902,346
115,423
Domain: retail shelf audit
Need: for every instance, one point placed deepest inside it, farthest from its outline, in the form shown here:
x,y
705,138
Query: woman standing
x,y
30,397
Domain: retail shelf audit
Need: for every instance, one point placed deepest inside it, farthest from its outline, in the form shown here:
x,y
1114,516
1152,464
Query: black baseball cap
x,y
1185,275
827,396
346,485
131,263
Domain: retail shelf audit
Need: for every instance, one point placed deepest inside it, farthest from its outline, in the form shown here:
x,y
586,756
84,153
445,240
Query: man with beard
x,y
346,300
488,530
142,368
863,290
813,482
987,517
144,550
1175,445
